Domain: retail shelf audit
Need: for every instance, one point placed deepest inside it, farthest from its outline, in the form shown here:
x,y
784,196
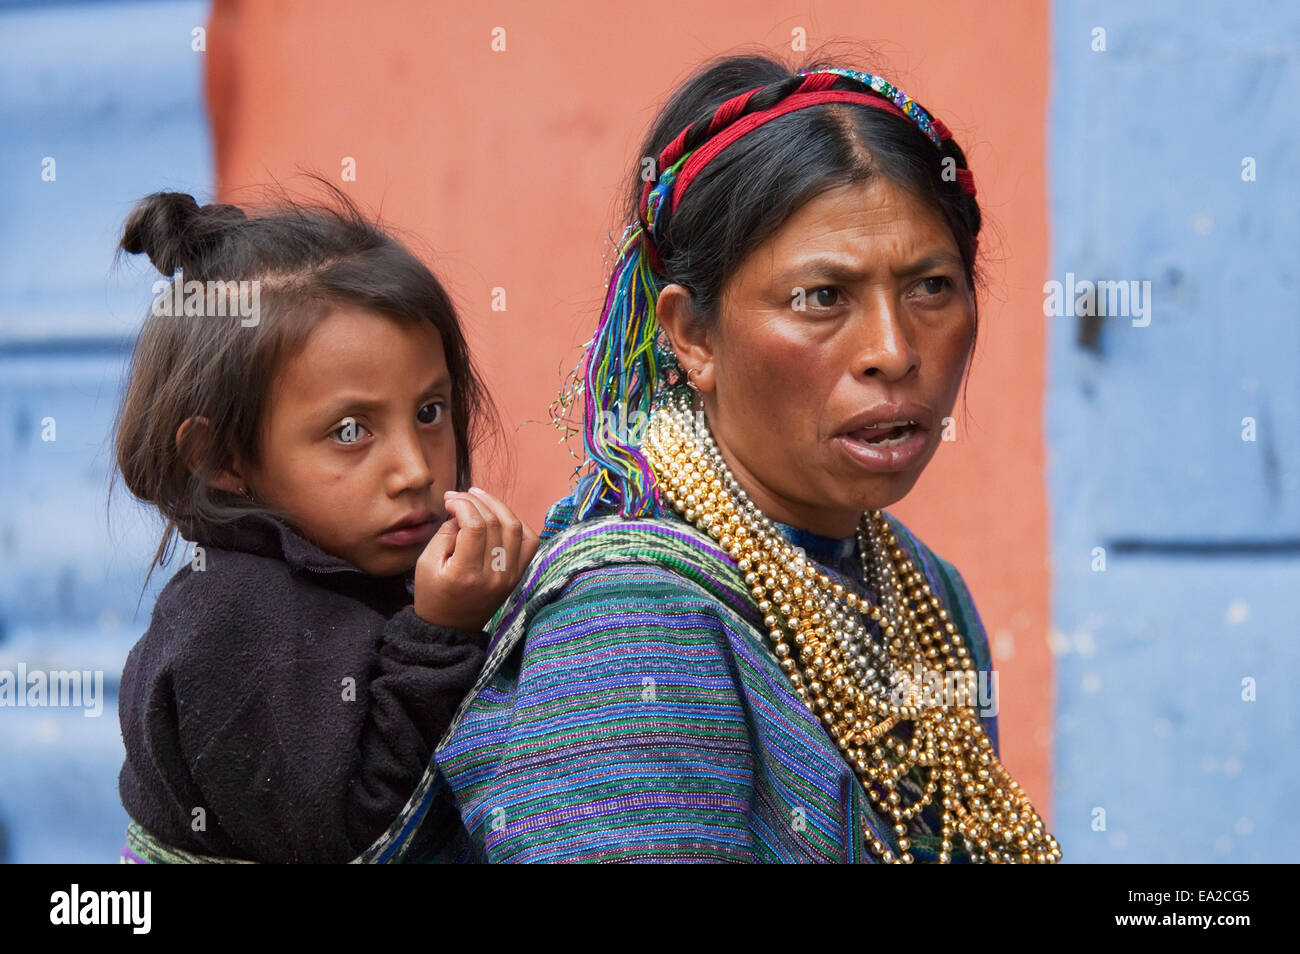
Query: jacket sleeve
x,y
619,735
307,738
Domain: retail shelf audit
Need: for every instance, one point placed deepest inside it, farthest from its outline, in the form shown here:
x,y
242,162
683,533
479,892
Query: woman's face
x,y
859,301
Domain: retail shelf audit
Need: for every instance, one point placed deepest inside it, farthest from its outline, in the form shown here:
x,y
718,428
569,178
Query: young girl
x,y
302,407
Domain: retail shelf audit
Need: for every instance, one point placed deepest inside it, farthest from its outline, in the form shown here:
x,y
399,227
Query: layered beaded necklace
x,y
848,680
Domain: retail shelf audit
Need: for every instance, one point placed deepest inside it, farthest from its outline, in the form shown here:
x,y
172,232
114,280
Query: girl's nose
x,y
409,469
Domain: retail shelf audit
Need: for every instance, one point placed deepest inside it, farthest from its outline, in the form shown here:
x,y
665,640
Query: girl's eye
x,y
826,297
349,431
431,413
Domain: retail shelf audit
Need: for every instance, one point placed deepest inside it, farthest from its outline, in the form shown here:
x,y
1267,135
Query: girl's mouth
x,y
410,534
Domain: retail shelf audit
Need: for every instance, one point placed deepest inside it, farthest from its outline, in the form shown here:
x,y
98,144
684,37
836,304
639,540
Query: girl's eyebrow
x,y
345,405
441,381
357,402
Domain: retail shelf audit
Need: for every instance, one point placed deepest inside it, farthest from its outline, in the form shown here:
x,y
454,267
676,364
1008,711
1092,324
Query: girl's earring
x,y
689,372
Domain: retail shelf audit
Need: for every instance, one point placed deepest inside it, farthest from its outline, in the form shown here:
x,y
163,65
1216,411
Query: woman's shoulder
x,y
606,590
625,567
620,566
631,540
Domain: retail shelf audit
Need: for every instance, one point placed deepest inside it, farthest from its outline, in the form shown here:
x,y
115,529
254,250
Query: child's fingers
x,y
529,547
512,532
500,546
521,542
440,547
475,530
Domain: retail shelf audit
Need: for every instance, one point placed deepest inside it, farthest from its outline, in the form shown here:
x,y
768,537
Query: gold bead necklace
x,y
850,681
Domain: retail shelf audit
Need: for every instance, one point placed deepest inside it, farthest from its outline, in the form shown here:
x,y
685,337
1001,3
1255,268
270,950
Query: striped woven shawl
x,y
630,710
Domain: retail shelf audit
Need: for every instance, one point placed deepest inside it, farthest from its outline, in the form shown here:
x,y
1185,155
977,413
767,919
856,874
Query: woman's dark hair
x,y
747,192
307,260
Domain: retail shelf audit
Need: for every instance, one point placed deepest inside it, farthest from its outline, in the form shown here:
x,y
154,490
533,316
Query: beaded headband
x,y
626,368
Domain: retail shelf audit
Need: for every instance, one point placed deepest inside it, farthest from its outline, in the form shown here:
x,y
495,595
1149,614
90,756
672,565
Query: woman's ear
x,y
192,439
690,340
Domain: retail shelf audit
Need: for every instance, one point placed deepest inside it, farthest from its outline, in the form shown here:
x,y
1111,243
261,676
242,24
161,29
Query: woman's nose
x,y
884,347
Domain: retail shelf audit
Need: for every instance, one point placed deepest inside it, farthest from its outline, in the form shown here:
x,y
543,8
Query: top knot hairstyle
x,y
175,232
307,260
737,149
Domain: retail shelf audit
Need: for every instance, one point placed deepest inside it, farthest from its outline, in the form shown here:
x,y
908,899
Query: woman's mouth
x,y
885,435
886,448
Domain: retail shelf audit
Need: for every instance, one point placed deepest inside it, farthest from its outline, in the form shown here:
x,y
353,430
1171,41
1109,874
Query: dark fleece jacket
x,y
290,696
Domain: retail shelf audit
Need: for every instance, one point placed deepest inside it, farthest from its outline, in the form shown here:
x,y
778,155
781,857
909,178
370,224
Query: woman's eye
x,y
944,283
431,413
349,431
826,297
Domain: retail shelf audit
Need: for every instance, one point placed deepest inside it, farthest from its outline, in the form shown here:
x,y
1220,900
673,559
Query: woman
x,y
720,651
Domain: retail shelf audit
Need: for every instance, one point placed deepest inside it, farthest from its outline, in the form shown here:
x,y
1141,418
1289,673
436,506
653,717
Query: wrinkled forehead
x,y
868,226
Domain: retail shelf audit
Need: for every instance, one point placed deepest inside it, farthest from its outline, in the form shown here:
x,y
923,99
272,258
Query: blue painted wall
x,y
112,92
1200,529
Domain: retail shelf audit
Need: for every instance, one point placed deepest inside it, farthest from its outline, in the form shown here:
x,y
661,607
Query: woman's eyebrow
x,y
929,263
835,269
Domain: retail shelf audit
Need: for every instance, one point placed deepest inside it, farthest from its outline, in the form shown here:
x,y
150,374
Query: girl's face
x,y
357,445
858,302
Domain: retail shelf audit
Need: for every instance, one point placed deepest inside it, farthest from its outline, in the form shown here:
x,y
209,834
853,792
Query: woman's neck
x,y
821,548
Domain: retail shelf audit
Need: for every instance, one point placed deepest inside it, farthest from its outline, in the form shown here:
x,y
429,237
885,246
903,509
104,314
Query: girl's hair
x,y
740,198
307,260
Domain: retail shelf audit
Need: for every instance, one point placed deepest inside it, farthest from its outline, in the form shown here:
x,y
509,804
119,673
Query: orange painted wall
x,y
507,165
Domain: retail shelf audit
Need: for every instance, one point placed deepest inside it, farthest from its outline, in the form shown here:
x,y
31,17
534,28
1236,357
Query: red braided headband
x,y
725,129
705,154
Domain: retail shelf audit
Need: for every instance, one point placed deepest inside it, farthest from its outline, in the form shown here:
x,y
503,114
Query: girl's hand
x,y
473,562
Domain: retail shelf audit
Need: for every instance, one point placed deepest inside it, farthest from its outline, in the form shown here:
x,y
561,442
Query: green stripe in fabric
x,y
155,851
